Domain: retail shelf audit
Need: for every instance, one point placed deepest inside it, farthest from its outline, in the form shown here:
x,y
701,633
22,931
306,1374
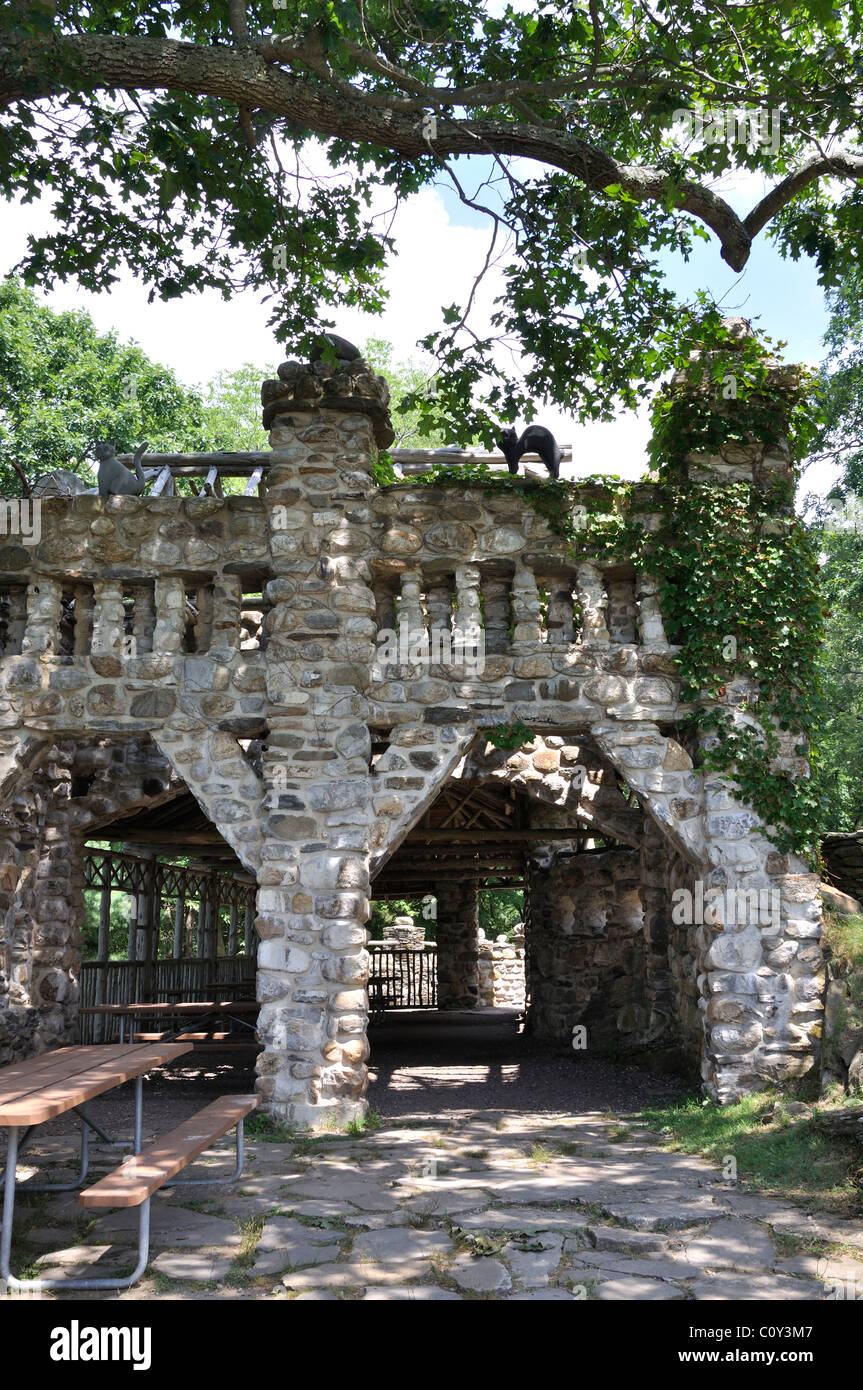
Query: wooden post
x,y
179,913
103,949
232,930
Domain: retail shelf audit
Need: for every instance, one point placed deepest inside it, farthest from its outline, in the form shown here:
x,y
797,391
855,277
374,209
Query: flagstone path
x,y
496,1206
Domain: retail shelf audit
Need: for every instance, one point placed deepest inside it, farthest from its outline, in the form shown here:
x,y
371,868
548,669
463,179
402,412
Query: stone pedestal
x,y
457,937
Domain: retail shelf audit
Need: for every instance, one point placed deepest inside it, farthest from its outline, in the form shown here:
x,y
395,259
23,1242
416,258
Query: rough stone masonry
x,y
129,674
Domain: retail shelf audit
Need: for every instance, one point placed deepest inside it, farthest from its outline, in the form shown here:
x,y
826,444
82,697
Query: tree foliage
x,y
64,386
840,731
234,145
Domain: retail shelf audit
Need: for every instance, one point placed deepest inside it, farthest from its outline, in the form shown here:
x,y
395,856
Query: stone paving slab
x,y
633,1289
756,1288
500,1220
480,1275
199,1266
414,1293
169,1227
732,1244
662,1268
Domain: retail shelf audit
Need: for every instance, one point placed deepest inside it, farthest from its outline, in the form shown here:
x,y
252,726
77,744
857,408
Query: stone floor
x,y
494,1206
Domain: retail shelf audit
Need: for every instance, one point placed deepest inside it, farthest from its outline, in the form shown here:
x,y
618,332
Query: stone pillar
x,y
170,615
41,909
593,601
313,882
651,629
526,608
227,600
560,621
495,597
43,618
108,618
457,936
469,613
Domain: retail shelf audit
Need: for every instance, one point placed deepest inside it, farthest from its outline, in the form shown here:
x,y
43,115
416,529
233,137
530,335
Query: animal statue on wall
x,y
331,342
536,439
115,479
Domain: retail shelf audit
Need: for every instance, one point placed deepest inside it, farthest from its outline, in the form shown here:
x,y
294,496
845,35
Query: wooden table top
x,y
44,1087
237,1006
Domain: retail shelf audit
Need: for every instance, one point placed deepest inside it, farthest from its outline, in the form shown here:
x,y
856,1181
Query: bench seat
x,y
141,1175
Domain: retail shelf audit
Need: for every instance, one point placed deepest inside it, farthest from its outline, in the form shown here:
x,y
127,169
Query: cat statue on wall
x,y
535,440
115,480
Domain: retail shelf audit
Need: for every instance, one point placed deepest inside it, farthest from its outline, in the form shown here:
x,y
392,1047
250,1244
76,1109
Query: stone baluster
x,y
496,605
385,608
44,609
170,615
527,610
108,630
143,617
593,601
410,612
83,619
651,629
468,611
227,597
559,621
17,622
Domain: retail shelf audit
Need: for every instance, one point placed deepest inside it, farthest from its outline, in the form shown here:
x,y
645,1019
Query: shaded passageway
x,y
478,1061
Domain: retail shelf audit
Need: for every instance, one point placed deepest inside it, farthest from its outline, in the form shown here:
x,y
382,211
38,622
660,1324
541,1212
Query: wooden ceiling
x,y
475,831
174,828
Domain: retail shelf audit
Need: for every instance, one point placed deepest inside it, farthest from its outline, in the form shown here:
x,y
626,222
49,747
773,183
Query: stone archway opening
x,y
126,893
556,822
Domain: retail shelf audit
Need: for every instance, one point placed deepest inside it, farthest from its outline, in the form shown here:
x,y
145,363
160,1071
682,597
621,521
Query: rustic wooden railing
x,y
402,977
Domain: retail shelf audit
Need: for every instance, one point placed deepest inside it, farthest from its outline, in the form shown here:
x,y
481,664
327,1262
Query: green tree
x,y
840,736
231,416
407,381
172,138
500,909
63,386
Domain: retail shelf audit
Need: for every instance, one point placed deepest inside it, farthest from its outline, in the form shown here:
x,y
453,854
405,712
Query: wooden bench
x,y
140,1176
202,1042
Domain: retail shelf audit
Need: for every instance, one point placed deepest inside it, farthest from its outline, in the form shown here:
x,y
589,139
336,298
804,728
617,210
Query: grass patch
x,y
776,1154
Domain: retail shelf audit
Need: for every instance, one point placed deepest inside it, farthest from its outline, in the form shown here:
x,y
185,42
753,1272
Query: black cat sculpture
x,y
115,480
535,440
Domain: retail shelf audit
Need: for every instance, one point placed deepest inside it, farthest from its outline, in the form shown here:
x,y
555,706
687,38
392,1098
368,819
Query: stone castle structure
x,y
131,674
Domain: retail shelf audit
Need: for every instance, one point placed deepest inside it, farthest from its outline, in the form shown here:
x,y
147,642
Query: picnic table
x,y
42,1088
131,1015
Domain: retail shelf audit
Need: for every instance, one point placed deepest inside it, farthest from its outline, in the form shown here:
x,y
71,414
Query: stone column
x,y
495,597
313,882
170,615
108,618
593,601
457,936
41,909
526,608
43,618
651,629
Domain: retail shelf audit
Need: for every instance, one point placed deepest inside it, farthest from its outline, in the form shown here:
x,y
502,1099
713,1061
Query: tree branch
x,y
33,68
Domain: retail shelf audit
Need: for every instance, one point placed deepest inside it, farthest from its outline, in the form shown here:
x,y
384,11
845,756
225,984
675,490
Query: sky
x,y
439,246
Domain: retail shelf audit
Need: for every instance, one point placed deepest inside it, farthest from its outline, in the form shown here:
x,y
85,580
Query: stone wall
x,y
586,949
501,971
